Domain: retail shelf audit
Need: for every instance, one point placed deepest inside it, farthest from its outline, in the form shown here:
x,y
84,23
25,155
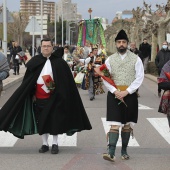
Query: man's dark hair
x,y
144,39
94,49
66,47
47,39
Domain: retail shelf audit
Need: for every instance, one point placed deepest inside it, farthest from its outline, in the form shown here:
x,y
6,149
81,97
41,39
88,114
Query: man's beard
x,y
122,49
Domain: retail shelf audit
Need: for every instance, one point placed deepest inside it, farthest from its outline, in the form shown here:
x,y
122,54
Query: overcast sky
x,y
101,8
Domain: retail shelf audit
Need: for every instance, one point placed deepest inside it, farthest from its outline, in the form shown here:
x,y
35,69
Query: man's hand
x,y
124,93
93,65
121,94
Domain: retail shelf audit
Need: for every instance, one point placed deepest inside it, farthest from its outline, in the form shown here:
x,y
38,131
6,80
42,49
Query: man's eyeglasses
x,y
46,46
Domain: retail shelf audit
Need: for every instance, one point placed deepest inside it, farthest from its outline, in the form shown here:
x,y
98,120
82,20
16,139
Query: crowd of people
x,y
50,102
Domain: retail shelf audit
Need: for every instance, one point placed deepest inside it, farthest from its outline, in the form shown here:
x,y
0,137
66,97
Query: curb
x,y
151,77
11,82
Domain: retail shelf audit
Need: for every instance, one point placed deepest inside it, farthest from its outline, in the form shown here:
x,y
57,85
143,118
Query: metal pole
x,y
5,27
41,19
33,37
69,35
55,24
62,20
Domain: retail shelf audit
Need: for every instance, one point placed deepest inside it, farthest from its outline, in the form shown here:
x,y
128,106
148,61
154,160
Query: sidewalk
x,y
13,79
151,77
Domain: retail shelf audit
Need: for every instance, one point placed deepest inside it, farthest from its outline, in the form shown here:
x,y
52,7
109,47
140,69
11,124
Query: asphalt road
x,y
149,150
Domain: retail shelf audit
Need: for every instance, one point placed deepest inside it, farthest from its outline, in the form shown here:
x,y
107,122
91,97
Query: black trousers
x,y
38,107
16,67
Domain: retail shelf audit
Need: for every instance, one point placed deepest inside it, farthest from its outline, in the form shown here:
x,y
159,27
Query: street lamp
x,y
62,18
55,25
41,19
4,28
62,21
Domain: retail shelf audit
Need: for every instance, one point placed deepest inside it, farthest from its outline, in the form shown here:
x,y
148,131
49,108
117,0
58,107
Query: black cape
x,y
64,112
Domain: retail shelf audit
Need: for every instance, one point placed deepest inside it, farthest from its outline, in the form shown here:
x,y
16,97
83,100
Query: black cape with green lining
x,y
64,112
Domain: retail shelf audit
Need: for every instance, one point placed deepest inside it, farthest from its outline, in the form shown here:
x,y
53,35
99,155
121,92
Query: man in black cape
x,y
61,111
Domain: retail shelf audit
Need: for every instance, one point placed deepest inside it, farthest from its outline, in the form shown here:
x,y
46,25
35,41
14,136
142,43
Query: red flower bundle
x,y
167,74
105,74
49,82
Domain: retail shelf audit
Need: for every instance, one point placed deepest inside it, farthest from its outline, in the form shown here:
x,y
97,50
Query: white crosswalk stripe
x,y
64,140
7,139
161,125
143,107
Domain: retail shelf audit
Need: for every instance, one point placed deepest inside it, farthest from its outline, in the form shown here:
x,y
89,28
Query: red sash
x,y
40,93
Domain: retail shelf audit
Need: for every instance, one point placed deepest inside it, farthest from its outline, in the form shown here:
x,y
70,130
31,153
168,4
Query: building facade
x,y
68,10
33,8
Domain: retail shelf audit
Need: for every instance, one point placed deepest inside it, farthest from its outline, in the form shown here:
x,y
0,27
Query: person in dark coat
x,y
14,51
145,49
46,102
4,70
162,57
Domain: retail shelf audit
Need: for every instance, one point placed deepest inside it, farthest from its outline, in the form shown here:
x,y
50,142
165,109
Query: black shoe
x,y
43,149
91,98
54,149
17,73
14,73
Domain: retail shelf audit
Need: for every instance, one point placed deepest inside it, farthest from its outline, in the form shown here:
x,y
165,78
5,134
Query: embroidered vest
x,y
123,71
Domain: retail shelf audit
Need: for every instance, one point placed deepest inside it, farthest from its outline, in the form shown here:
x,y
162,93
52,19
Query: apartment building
x,y
68,10
33,8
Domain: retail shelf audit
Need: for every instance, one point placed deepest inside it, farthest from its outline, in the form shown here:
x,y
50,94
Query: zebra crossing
x,y
159,124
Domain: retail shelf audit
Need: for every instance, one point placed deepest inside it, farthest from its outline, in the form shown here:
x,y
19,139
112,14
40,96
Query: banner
x,y
91,31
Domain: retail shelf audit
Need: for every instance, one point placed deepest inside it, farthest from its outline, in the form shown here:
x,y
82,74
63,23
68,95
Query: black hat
x,y
121,36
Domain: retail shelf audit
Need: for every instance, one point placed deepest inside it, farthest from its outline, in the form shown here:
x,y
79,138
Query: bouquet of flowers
x,y
167,74
105,74
49,82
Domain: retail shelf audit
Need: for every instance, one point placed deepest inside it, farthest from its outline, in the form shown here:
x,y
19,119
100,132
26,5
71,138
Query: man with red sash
x,y
46,102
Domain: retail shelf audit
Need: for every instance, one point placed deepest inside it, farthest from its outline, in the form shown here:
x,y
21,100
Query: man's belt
x,y
122,88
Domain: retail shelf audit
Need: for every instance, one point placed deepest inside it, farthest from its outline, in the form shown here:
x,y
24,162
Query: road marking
x,y
64,140
161,125
143,107
7,139
132,142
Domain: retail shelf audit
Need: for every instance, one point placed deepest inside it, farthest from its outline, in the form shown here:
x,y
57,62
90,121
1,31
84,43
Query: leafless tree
x,y
16,29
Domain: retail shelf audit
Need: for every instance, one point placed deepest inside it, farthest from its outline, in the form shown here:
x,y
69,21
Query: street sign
x,y
33,25
44,24
10,19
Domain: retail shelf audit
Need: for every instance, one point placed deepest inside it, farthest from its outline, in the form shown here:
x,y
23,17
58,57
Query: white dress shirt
x,y
139,76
